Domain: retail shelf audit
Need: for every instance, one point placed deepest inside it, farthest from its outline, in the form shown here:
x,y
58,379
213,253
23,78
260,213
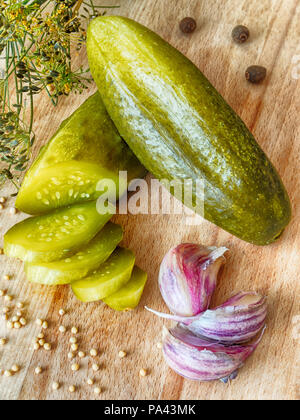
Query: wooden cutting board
x,y
271,110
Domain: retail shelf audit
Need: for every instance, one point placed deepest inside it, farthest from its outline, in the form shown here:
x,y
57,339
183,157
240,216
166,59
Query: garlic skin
x,y
236,321
188,277
198,359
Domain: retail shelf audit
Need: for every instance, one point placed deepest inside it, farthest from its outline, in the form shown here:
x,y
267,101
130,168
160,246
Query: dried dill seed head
x,y
43,64
255,74
240,34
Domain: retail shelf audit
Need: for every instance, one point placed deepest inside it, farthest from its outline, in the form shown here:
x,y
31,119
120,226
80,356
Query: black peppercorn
x,y
256,74
240,34
188,25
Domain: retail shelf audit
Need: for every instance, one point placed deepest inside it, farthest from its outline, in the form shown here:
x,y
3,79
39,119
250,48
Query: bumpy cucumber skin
x,y
180,127
92,256
129,296
88,136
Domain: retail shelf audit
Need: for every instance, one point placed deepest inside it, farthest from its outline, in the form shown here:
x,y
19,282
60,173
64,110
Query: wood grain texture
x,y
271,111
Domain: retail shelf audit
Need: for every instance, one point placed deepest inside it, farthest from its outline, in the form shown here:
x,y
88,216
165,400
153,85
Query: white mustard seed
x,y
7,373
73,340
93,352
74,347
74,330
17,325
122,354
6,277
2,292
97,390
71,355
81,354
15,368
72,389
13,211
38,370
55,386
39,322
3,341
143,372
75,367
45,325
61,312
47,346
95,367
62,329
90,381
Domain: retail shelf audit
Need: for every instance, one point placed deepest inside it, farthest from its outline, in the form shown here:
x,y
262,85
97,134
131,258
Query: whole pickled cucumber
x,y
85,149
180,127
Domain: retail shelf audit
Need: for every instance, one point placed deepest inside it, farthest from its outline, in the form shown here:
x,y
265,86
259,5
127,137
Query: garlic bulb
x,y
199,359
188,277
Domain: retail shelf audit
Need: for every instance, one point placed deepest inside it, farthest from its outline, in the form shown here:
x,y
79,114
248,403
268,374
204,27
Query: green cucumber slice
x,y
129,296
56,235
108,279
86,149
79,265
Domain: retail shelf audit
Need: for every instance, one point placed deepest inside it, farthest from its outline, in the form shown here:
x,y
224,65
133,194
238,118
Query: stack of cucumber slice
x,y
67,241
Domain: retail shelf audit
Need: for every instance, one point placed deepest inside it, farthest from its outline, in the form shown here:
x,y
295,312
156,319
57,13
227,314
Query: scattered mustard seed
x,y
62,329
95,367
15,368
61,312
122,354
93,352
72,389
97,390
47,346
73,340
74,347
90,381
3,341
45,325
81,354
6,277
75,367
143,372
38,370
74,330
8,373
55,386
13,211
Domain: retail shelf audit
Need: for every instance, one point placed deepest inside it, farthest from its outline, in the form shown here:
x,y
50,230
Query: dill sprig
x,y
36,39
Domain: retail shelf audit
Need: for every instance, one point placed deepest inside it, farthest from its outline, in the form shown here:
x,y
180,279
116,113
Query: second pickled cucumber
x,y
79,265
129,296
108,279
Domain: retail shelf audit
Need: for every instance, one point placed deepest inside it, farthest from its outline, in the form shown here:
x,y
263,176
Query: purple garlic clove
x,y
198,359
188,277
236,321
